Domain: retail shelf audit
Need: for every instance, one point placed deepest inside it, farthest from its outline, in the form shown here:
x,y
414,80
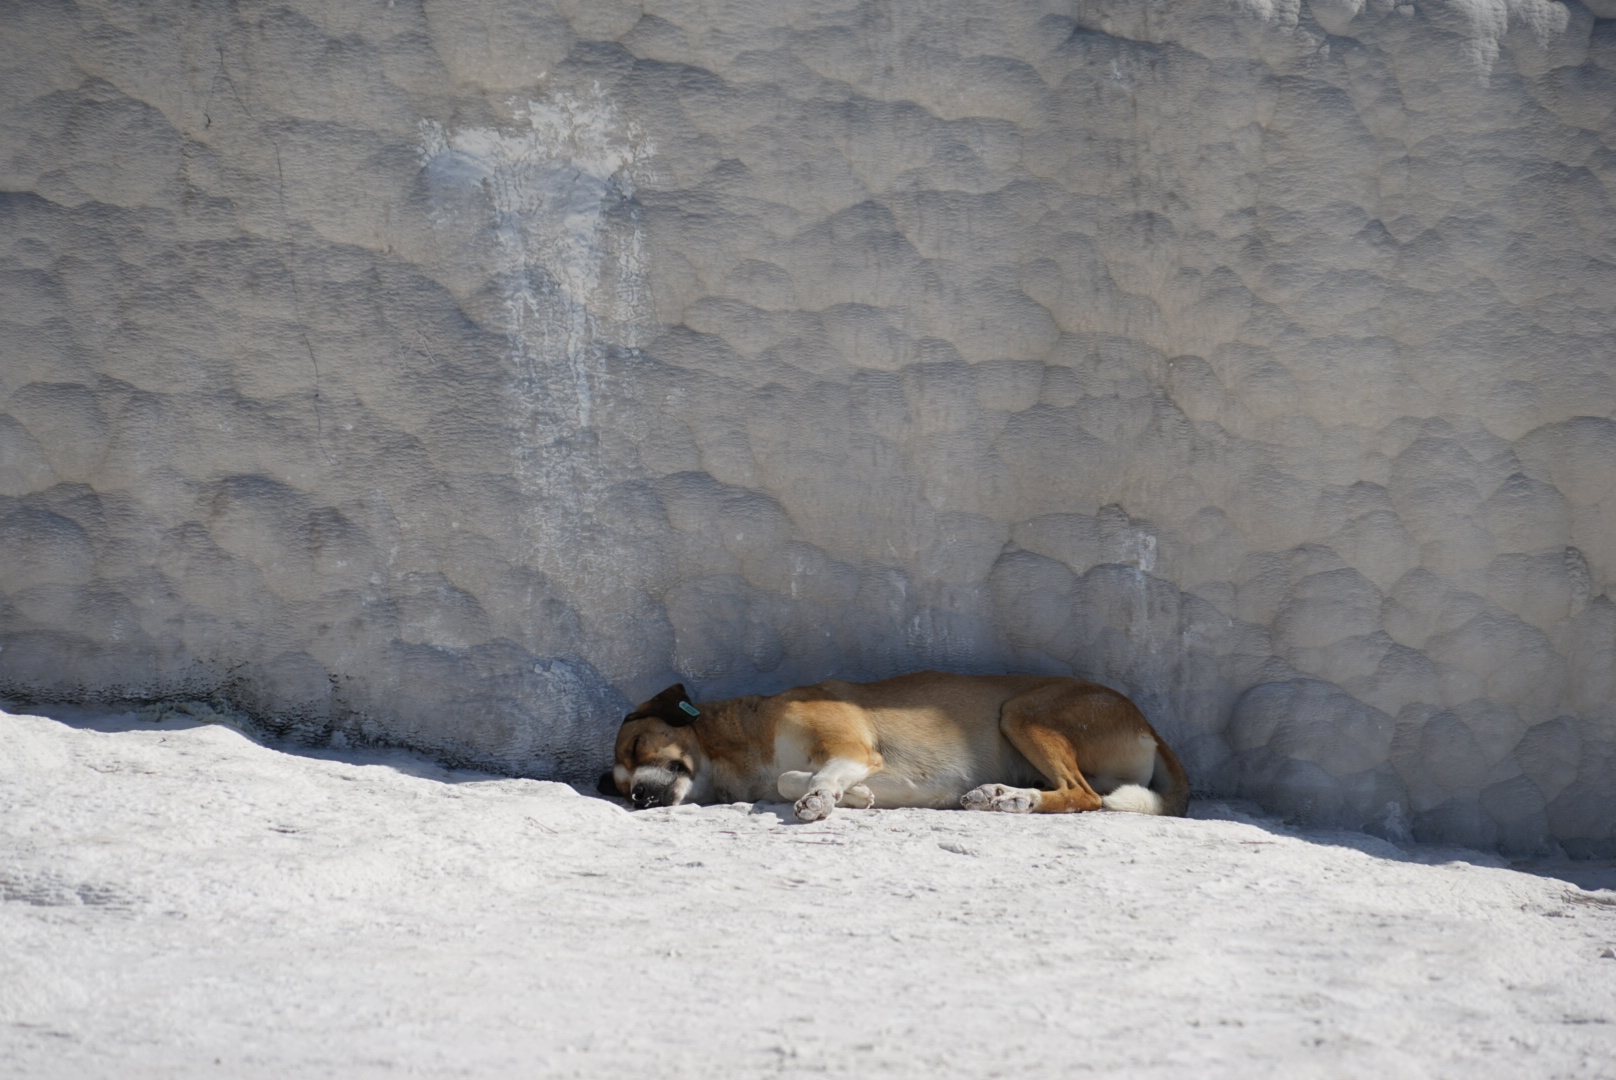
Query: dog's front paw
x,y
1007,800
816,804
859,797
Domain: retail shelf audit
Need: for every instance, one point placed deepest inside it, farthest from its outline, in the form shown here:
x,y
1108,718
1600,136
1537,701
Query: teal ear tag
x,y
689,708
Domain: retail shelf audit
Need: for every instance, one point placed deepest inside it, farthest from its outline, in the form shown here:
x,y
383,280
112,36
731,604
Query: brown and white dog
x,y
1016,743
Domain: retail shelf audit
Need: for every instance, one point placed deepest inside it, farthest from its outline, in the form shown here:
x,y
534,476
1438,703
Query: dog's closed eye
x,y
676,767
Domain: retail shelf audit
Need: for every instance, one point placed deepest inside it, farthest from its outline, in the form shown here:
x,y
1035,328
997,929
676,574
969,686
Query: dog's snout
x,y
643,796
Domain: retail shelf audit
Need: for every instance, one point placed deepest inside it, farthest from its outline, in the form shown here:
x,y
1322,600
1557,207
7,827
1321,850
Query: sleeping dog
x,y
1014,743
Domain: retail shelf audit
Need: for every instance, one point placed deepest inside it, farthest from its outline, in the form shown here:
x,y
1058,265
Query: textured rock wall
x,y
449,373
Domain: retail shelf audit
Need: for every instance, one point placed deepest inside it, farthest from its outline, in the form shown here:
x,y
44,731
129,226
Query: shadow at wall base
x,y
1509,817
1301,748
494,707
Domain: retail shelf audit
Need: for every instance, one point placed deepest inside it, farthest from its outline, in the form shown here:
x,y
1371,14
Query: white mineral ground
x,y
180,900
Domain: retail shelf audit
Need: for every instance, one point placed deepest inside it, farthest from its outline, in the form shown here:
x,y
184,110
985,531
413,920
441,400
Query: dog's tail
x,y
1168,793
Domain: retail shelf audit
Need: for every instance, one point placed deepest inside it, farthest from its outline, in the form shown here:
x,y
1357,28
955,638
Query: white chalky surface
x,y
181,901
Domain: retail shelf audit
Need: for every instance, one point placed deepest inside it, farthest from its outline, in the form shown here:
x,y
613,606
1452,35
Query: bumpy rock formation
x,y
449,373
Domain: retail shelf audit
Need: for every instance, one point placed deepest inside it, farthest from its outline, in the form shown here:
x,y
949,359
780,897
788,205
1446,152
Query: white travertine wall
x,y
450,373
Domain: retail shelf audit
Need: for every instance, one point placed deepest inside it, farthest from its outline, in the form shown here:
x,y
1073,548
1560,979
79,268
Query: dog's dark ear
x,y
673,707
607,785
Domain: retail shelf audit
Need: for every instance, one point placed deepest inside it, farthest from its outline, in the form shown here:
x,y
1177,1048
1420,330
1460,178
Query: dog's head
x,y
659,760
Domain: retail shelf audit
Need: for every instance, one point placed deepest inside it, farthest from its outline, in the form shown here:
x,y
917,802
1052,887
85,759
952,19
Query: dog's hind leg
x,y
1002,797
1035,724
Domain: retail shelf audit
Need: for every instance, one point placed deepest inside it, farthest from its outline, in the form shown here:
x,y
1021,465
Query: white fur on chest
x,y
790,753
